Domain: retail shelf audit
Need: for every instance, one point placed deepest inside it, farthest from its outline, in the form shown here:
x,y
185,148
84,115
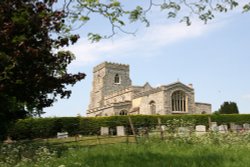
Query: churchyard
x,y
176,143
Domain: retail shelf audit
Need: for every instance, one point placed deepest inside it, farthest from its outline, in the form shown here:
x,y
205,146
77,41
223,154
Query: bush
x,y
48,127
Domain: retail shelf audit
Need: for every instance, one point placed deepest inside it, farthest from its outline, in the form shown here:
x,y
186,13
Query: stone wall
x,y
203,108
143,102
119,96
170,89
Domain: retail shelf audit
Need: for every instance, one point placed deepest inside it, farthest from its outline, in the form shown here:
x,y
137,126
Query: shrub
x,y
48,127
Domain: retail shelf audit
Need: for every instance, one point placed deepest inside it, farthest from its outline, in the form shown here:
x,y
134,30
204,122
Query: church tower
x,y
108,78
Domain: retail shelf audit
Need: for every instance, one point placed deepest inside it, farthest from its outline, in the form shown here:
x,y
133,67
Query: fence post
x,y
161,130
209,123
132,128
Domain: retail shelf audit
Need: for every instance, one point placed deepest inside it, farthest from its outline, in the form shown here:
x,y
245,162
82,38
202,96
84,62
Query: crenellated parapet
x,y
110,66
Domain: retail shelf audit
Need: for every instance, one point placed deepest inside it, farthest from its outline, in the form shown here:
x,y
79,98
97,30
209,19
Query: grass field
x,y
212,150
155,154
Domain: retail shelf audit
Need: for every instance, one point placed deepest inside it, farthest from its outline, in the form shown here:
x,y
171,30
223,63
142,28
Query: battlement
x,y
111,65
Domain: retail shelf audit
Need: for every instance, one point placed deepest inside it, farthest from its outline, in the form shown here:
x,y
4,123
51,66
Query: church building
x,y
113,94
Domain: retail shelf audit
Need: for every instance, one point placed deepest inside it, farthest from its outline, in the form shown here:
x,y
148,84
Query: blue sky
x,y
214,57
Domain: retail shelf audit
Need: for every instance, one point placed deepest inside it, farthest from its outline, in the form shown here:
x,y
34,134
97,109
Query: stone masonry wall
x,y
203,108
144,103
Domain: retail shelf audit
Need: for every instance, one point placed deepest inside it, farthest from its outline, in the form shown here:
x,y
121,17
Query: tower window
x,y
117,79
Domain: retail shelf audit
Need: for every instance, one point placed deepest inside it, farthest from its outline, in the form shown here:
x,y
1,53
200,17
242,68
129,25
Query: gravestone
x,y
104,131
246,127
120,130
239,128
222,128
200,129
163,127
233,127
183,131
62,135
214,127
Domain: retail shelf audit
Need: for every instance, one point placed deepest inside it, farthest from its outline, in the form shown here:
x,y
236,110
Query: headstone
x,y
200,129
104,131
163,127
239,128
233,127
120,131
246,127
214,127
62,135
142,131
183,131
222,128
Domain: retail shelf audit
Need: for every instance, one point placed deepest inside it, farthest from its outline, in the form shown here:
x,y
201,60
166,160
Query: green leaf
x,y
94,37
84,18
246,7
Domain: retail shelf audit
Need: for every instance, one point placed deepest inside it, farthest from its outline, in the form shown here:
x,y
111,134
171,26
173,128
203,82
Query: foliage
x,y
25,154
32,128
228,108
32,70
224,150
120,15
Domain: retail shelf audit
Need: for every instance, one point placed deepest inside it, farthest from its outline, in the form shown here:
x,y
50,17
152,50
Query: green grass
x,y
211,150
155,154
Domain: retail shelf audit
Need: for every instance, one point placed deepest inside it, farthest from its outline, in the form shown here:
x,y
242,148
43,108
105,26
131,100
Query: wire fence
x,y
132,132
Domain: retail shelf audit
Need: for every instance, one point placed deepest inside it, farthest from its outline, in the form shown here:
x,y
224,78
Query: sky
x,y
214,57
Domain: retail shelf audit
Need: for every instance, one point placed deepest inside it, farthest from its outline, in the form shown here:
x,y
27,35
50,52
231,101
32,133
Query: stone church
x,y
113,94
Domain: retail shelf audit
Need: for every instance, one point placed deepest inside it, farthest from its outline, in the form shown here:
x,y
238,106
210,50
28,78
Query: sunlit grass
x,y
155,154
220,150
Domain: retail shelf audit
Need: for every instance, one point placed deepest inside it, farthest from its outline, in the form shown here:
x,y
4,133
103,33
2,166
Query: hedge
x,y
32,128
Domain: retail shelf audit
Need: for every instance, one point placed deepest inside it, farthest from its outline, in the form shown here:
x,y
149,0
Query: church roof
x,y
178,83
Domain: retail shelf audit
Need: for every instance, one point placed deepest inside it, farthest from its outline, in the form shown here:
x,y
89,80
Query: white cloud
x,y
146,41
247,96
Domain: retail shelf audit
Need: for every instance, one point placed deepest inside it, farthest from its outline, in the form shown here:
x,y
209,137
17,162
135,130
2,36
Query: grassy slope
x,y
155,155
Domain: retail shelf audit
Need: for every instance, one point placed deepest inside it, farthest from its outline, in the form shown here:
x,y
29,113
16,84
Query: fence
x,y
131,132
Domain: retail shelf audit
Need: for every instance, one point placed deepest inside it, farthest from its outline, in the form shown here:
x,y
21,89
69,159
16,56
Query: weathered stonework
x,y
113,94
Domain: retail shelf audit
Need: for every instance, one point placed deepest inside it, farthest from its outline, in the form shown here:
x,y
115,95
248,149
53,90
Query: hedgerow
x,y
48,127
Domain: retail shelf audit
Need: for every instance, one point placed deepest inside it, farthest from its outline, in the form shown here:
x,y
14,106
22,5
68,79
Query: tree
x,y
32,70
119,16
228,108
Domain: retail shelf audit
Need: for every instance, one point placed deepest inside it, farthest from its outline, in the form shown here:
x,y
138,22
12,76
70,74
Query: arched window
x,y
179,101
152,107
123,112
117,79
